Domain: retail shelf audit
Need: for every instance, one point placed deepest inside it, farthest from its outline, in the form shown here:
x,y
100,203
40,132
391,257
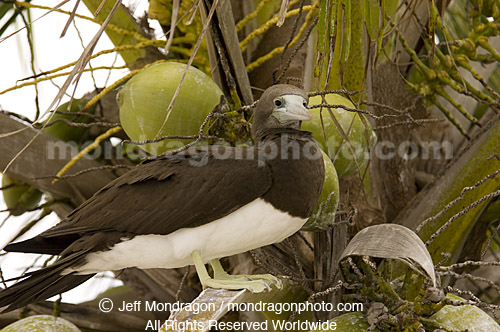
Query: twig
x,y
88,170
89,148
157,140
355,268
200,136
2,278
453,202
327,291
446,256
470,277
488,243
306,242
461,213
299,266
77,71
9,186
408,122
313,297
190,61
18,116
79,124
282,13
327,92
292,33
181,285
248,107
461,292
39,207
296,50
467,263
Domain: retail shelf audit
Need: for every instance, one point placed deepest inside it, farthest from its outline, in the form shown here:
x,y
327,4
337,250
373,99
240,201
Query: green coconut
x,y
41,323
20,197
464,317
324,213
350,322
331,139
145,98
61,129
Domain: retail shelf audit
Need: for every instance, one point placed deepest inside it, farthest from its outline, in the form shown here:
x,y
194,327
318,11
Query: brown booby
x,y
189,208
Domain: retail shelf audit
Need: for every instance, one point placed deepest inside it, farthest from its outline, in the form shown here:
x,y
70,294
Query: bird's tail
x,y
41,284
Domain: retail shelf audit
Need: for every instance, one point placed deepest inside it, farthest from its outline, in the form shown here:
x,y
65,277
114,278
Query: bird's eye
x,y
278,102
304,104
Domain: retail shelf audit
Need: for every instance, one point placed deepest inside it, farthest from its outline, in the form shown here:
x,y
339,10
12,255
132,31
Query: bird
x,y
190,208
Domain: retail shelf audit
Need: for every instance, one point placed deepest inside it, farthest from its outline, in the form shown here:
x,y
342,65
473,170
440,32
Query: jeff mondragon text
x,y
278,308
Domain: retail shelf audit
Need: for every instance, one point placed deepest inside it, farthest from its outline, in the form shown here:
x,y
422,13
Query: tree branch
x,y
43,157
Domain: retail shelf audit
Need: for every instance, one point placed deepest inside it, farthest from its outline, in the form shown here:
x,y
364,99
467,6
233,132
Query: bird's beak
x,y
292,108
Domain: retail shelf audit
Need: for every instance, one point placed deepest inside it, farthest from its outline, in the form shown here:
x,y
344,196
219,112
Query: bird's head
x,y
281,106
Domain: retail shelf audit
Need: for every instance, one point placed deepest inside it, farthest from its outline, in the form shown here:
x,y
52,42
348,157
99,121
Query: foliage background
x,y
447,52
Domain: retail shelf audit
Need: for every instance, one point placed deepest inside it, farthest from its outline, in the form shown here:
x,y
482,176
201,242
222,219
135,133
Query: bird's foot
x,y
255,283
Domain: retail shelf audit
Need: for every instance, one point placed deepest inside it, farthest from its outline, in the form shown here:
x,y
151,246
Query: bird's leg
x,y
201,270
221,279
219,272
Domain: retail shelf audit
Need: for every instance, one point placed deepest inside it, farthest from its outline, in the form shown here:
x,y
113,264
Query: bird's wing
x,y
165,195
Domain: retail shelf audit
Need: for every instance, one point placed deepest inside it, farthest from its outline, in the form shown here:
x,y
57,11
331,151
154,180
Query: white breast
x,y
255,225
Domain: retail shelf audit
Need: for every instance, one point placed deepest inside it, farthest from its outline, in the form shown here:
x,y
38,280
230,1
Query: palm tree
x,y
422,75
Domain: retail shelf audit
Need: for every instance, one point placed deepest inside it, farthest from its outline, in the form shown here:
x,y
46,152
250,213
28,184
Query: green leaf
x,y
348,19
455,19
394,242
453,203
493,83
4,9
124,20
353,77
322,24
371,18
